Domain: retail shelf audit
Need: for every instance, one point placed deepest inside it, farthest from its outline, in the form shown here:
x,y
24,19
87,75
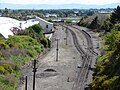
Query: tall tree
x,y
115,17
94,24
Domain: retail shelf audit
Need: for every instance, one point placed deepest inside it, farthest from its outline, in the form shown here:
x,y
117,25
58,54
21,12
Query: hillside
x,y
86,21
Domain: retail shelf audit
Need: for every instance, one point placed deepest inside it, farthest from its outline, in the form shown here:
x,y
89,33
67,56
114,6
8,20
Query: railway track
x,y
87,59
89,41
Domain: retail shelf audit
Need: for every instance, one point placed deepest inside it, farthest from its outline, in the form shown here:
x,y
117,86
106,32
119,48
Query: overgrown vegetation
x,y
94,22
107,72
101,21
16,51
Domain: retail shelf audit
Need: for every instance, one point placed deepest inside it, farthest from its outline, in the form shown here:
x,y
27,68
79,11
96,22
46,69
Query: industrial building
x,y
9,26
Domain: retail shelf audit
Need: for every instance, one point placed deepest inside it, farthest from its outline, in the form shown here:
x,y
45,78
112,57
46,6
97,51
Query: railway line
x,y
87,58
89,40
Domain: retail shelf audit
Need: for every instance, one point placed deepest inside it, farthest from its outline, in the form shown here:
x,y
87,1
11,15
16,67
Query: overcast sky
x,y
98,2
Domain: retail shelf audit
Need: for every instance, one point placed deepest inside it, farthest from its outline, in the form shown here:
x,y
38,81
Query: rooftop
x,y
7,23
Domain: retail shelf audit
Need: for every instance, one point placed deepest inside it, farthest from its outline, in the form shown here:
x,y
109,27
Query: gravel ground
x,y
95,40
61,74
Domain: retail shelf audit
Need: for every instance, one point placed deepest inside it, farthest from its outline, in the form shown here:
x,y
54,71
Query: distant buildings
x,y
51,15
105,11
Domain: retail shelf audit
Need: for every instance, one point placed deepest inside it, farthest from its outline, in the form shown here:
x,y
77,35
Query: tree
x,y
94,24
115,17
107,25
107,71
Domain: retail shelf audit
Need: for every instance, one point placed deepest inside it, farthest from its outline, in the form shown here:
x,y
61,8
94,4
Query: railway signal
x,y
34,71
26,83
66,35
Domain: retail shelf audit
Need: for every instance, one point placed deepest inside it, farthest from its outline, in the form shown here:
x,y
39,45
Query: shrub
x,y
21,41
8,62
3,45
10,80
8,68
3,71
44,41
37,28
31,52
37,48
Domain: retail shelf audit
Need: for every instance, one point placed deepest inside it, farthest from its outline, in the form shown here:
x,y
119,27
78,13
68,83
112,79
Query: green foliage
x,y
100,59
7,82
3,45
68,21
32,52
21,41
111,39
44,41
10,79
115,17
39,48
16,51
94,24
107,71
36,31
8,68
37,28
82,22
2,70
107,25
95,21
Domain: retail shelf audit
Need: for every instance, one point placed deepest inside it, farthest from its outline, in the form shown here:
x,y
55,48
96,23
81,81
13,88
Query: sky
x,y
96,2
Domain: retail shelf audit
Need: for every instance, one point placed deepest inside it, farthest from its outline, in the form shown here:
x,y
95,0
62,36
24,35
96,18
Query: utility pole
x,y
26,83
66,35
57,50
34,72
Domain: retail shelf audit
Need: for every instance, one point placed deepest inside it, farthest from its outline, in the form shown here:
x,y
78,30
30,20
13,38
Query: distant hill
x,y
57,6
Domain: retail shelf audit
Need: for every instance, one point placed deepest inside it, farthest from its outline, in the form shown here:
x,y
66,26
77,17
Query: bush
x,y
10,80
37,48
8,68
3,71
37,28
21,41
31,52
3,45
44,41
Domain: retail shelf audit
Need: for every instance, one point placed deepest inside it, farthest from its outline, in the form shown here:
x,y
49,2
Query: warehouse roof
x,y
7,24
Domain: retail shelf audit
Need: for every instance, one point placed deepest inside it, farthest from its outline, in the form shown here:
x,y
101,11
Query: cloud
x,y
98,2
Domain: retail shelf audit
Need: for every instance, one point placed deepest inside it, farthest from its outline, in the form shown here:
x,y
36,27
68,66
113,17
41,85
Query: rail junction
x,y
75,58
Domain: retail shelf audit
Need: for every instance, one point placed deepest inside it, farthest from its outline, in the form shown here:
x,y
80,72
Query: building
x,y
47,26
9,26
51,15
